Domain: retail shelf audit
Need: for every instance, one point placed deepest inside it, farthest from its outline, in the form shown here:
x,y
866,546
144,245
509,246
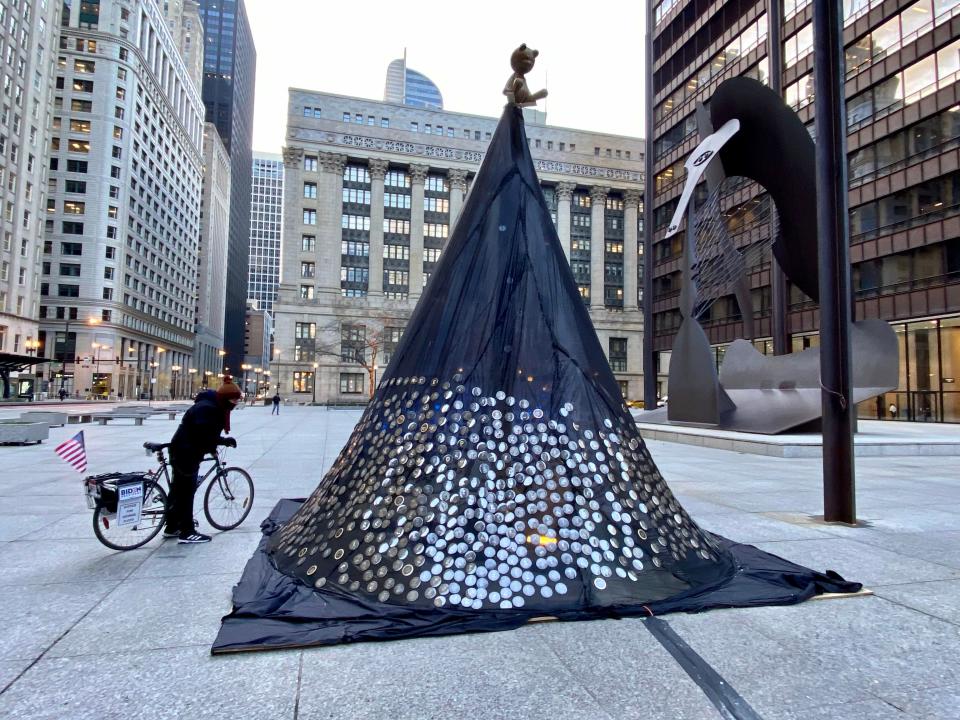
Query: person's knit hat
x,y
226,392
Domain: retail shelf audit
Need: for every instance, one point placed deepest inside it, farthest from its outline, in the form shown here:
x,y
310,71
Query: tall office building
x,y
266,224
212,256
28,43
371,191
406,86
183,18
903,127
123,205
229,78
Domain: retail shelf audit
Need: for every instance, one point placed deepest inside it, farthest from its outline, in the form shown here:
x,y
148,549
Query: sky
x,y
591,56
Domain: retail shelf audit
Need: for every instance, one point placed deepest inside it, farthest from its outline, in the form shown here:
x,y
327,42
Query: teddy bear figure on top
x,y
516,90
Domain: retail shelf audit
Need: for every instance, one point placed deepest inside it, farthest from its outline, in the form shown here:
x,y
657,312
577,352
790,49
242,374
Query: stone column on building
x,y
418,176
458,190
329,212
631,202
292,199
564,195
598,202
378,171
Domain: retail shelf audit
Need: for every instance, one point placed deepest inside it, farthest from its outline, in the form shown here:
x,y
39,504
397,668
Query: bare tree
x,y
364,341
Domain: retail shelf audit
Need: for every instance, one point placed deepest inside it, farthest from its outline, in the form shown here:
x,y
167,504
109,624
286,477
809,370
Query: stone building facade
x,y
28,46
119,260
371,192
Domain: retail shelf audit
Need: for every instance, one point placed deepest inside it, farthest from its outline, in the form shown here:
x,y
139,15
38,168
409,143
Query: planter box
x,y
16,431
53,419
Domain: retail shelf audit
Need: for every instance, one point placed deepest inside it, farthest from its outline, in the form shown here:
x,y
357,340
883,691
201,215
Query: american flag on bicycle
x,y
74,452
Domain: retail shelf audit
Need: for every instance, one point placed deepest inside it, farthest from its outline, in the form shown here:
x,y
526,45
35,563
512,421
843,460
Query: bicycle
x,y
122,523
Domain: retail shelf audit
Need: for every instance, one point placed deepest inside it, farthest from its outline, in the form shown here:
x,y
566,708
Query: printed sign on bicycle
x,y
129,504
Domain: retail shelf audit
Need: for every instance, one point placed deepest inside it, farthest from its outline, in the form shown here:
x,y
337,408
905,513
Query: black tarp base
x,y
272,610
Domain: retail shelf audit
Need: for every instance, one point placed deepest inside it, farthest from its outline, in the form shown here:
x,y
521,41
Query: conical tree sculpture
x,y
497,474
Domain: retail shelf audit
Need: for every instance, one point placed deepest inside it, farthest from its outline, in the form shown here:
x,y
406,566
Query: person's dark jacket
x,y
276,399
200,428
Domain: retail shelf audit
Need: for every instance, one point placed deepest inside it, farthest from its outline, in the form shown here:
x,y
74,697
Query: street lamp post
x,y
32,346
174,372
97,347
314,382
193,374
245,367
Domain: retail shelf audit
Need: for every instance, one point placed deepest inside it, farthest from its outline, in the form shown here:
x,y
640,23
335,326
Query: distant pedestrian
x,y
63,394
276,404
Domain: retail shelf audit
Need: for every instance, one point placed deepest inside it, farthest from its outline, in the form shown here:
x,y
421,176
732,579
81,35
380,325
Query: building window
x,y
395,226
355,222
384,122
351,383
353,338
617,352
310,190
308,243
306,292
307,270
309,217
302,381
310,163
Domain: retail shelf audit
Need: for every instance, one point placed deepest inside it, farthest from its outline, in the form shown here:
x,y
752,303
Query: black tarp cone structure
x,y
497,475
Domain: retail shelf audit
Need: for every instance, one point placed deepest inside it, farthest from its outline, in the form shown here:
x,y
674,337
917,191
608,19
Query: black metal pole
x,y
648,361
778,280
839,498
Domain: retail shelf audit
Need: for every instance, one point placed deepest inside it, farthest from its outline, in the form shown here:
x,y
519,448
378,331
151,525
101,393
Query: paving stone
x,y
939,598
150,614
167,684
623,666
34,617
485,676
40,562
861,562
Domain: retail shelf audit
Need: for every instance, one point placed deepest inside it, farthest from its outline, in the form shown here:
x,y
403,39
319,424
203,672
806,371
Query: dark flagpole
x,y
839,501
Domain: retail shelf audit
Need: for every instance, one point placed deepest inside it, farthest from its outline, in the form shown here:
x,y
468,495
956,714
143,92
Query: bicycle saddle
x,y
155,447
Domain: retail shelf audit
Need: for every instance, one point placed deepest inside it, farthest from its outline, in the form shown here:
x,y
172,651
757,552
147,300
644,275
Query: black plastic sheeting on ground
x,y
496,475
273,610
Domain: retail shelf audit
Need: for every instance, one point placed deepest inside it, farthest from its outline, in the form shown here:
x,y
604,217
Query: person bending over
x,y
197,436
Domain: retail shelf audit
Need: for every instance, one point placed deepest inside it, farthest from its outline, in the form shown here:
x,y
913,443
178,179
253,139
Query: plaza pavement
x,y
87,633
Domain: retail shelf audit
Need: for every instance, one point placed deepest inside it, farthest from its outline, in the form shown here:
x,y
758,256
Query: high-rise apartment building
x,y
28,44
371,192
266,224
903,130
405,86
229,78
212,256
123,205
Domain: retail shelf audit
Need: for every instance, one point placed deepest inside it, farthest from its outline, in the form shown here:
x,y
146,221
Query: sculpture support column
x,y
329,211
418,176
631,200
457,180
598,201
778,279
378,170
564,194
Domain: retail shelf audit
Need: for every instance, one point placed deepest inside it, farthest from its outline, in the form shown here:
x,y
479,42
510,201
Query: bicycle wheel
x,y
228,499
127,538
